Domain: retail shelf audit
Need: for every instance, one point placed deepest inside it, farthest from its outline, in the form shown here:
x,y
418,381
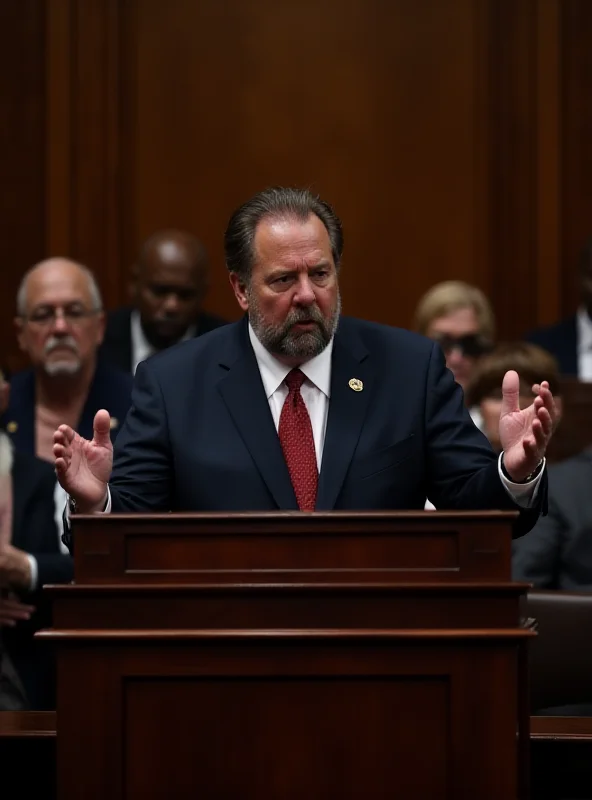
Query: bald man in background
x,y
169,283
60,325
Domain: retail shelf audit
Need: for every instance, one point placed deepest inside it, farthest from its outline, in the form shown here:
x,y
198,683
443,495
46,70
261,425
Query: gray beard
x,y
62,368
280,340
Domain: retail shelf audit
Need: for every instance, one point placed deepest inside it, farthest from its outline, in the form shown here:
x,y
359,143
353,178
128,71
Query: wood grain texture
x,y
452,136
22,156
290,689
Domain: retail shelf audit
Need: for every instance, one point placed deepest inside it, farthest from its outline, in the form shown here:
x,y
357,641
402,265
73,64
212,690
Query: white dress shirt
x,y
584,339
141,347
315,392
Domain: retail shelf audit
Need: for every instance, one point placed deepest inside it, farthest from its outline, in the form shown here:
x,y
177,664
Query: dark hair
x,y
276,202
532,363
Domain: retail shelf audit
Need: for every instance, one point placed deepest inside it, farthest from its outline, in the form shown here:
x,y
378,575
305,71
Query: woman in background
x,y
460,318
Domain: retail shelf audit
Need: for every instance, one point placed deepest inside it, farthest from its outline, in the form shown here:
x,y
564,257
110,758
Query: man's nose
x,y
60,324
454,356
304,295
171,304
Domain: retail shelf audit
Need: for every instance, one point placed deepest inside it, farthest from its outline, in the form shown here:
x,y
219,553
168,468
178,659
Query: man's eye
x,y
41,315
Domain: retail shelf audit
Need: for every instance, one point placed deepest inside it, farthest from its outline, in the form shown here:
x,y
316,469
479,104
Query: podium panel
x,y
361,688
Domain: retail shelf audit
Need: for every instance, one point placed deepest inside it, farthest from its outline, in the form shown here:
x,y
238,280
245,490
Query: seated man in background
x,y
484,390
60,326
30,556
460,318
169,284
557,552
570,339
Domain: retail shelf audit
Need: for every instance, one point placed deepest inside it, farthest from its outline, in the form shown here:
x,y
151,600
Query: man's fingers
x,y
102,427
510,393
15,612
546,420
64,435
61,467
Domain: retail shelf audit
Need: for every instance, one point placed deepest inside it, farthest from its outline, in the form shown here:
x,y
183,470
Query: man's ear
x,y
240,290
100,327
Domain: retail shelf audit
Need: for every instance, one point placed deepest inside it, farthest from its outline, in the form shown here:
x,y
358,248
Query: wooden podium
x,y
291,656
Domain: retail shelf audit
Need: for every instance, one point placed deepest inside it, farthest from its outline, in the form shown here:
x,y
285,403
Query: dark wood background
x,y
454,138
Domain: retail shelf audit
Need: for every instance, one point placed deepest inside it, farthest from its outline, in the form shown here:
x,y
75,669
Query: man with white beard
x,y
60,325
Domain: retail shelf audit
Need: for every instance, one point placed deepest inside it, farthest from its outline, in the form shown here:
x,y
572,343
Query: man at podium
x,y
296,407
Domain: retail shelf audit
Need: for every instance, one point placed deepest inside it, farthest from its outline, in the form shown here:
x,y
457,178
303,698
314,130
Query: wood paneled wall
x,y
454,138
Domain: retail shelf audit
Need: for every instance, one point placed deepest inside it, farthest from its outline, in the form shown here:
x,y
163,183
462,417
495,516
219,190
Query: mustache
x,y
311,314
60,341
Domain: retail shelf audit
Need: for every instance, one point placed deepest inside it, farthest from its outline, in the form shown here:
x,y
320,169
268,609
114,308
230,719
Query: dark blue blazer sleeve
x,y
143,470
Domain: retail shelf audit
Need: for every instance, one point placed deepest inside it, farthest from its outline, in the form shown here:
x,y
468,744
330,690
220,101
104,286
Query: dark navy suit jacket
x,y
557,553
561,340
110,389
200,435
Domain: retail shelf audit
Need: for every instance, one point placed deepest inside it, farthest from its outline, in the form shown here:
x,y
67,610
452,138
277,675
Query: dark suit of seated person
x,y
169,283
30,556
297,408
557,552
570,339
60,327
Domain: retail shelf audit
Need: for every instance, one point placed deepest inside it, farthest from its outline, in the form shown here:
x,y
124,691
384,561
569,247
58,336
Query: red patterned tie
x,y
295,432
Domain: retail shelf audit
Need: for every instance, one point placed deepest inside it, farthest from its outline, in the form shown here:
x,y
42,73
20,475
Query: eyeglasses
x,y
472,345
45,316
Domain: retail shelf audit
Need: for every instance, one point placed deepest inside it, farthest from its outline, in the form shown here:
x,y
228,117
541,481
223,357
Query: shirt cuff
x,y
34,572
524,494
106,510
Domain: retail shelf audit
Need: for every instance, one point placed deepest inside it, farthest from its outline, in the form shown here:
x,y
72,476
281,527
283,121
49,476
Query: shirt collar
x,y
584,328
273,372
141,347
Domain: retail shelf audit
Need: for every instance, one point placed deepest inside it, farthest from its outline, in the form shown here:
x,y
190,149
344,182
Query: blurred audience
x,y
461,319
570,340
169,284
30,556
60,326
557,552
484,391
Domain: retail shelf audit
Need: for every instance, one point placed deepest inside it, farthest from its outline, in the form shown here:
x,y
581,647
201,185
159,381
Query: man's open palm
x,y
525,433
83,468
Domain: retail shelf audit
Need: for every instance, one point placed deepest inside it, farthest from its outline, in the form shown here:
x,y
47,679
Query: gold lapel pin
x,y
113,423
12,427
356,384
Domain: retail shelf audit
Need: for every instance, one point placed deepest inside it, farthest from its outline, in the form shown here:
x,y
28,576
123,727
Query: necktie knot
x,y
294,380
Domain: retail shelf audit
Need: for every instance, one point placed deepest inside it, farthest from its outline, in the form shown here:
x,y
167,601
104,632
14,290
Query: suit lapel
x,y
243,393
19,419
347,411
